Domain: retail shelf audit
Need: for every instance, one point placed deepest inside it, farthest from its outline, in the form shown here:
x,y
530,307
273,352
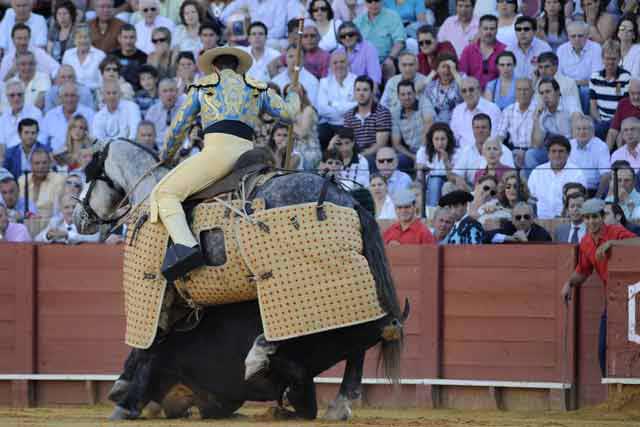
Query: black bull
x,y
209,360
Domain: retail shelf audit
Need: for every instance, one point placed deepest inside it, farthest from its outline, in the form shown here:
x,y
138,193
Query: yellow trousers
x,y
220,153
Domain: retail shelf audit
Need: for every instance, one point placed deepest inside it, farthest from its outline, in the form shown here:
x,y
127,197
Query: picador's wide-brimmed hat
x,y
455,197
205,62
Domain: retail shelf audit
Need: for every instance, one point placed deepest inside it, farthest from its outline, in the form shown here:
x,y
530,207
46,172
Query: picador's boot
x,y
180,260
258,357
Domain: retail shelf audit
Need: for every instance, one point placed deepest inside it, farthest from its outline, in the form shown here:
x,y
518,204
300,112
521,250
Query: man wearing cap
x,y
466,230
593,254
228,103
409,230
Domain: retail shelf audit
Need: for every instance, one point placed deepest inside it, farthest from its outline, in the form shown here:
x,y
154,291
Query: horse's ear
x,y
98,145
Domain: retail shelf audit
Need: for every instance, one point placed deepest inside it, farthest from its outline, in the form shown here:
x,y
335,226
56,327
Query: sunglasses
x,y
347,35
426,42
385,160
468,90
526,217
320,9
405,206
15,95
491,191
525,29
156,41
149,9
114,69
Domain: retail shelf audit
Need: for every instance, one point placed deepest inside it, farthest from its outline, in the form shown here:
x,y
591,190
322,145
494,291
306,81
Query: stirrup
x,y
180,260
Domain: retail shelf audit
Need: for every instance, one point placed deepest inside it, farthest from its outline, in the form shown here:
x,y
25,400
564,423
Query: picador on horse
x,y
229,104
299,243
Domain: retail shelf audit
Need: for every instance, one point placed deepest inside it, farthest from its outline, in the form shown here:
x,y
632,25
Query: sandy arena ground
x,y
254,416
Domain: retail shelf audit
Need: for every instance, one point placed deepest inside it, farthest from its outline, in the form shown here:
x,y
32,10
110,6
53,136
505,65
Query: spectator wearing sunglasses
x,y
321,12
486,207
362,55
429,48
521,229
150,10
461,29
479,58
110,70
387,164
527,47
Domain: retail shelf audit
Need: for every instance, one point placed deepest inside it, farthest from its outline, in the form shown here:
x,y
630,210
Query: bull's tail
x,y
373,250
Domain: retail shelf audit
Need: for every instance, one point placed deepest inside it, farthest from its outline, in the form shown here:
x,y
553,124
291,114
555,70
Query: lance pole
x,y
294,82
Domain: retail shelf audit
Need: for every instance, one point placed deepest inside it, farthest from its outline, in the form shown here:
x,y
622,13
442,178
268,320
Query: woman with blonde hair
x,y
163,58
77,140
305,132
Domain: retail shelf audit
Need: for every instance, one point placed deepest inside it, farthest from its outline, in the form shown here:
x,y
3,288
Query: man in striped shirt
x,y
607,87
370,121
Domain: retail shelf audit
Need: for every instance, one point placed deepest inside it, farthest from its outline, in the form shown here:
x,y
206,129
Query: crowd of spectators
x,y
490,114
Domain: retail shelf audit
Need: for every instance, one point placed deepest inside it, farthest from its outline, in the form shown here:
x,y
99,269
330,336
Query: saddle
x,y
249,170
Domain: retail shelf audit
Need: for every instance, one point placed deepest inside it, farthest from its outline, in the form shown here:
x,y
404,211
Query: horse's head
x,y
100,200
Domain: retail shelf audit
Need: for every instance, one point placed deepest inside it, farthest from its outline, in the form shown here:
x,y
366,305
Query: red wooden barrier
x,y
489,313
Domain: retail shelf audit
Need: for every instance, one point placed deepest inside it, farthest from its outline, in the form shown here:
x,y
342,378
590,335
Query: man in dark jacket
x,y
521,230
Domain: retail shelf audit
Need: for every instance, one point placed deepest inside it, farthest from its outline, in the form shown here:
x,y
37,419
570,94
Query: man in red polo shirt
x,y
593,254
409,230
627,107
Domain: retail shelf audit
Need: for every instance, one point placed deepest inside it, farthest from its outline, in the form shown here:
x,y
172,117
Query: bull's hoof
x,y
339,410
278,413
118,391
152,410
119,413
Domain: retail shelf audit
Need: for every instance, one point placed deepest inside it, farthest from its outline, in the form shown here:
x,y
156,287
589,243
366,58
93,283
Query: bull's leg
x,y
350,389
302,390
119,389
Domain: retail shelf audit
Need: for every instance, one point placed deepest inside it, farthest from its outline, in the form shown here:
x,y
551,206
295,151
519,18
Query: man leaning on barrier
x,y
593,255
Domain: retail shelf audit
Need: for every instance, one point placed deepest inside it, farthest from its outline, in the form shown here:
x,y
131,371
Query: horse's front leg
x,y
350,389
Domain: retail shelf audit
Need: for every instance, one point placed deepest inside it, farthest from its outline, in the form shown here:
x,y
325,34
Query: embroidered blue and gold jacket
x,y
227,95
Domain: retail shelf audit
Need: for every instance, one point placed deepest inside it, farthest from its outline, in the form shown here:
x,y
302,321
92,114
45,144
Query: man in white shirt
x,y
590,154
517,120
15,112
118,118
307,80
408,65
150,10
528,47
55,122
162,112
548,67
21,13
36,83
260,53
547,180
580,58
469,159
473,104
335,96
275,14
21,39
